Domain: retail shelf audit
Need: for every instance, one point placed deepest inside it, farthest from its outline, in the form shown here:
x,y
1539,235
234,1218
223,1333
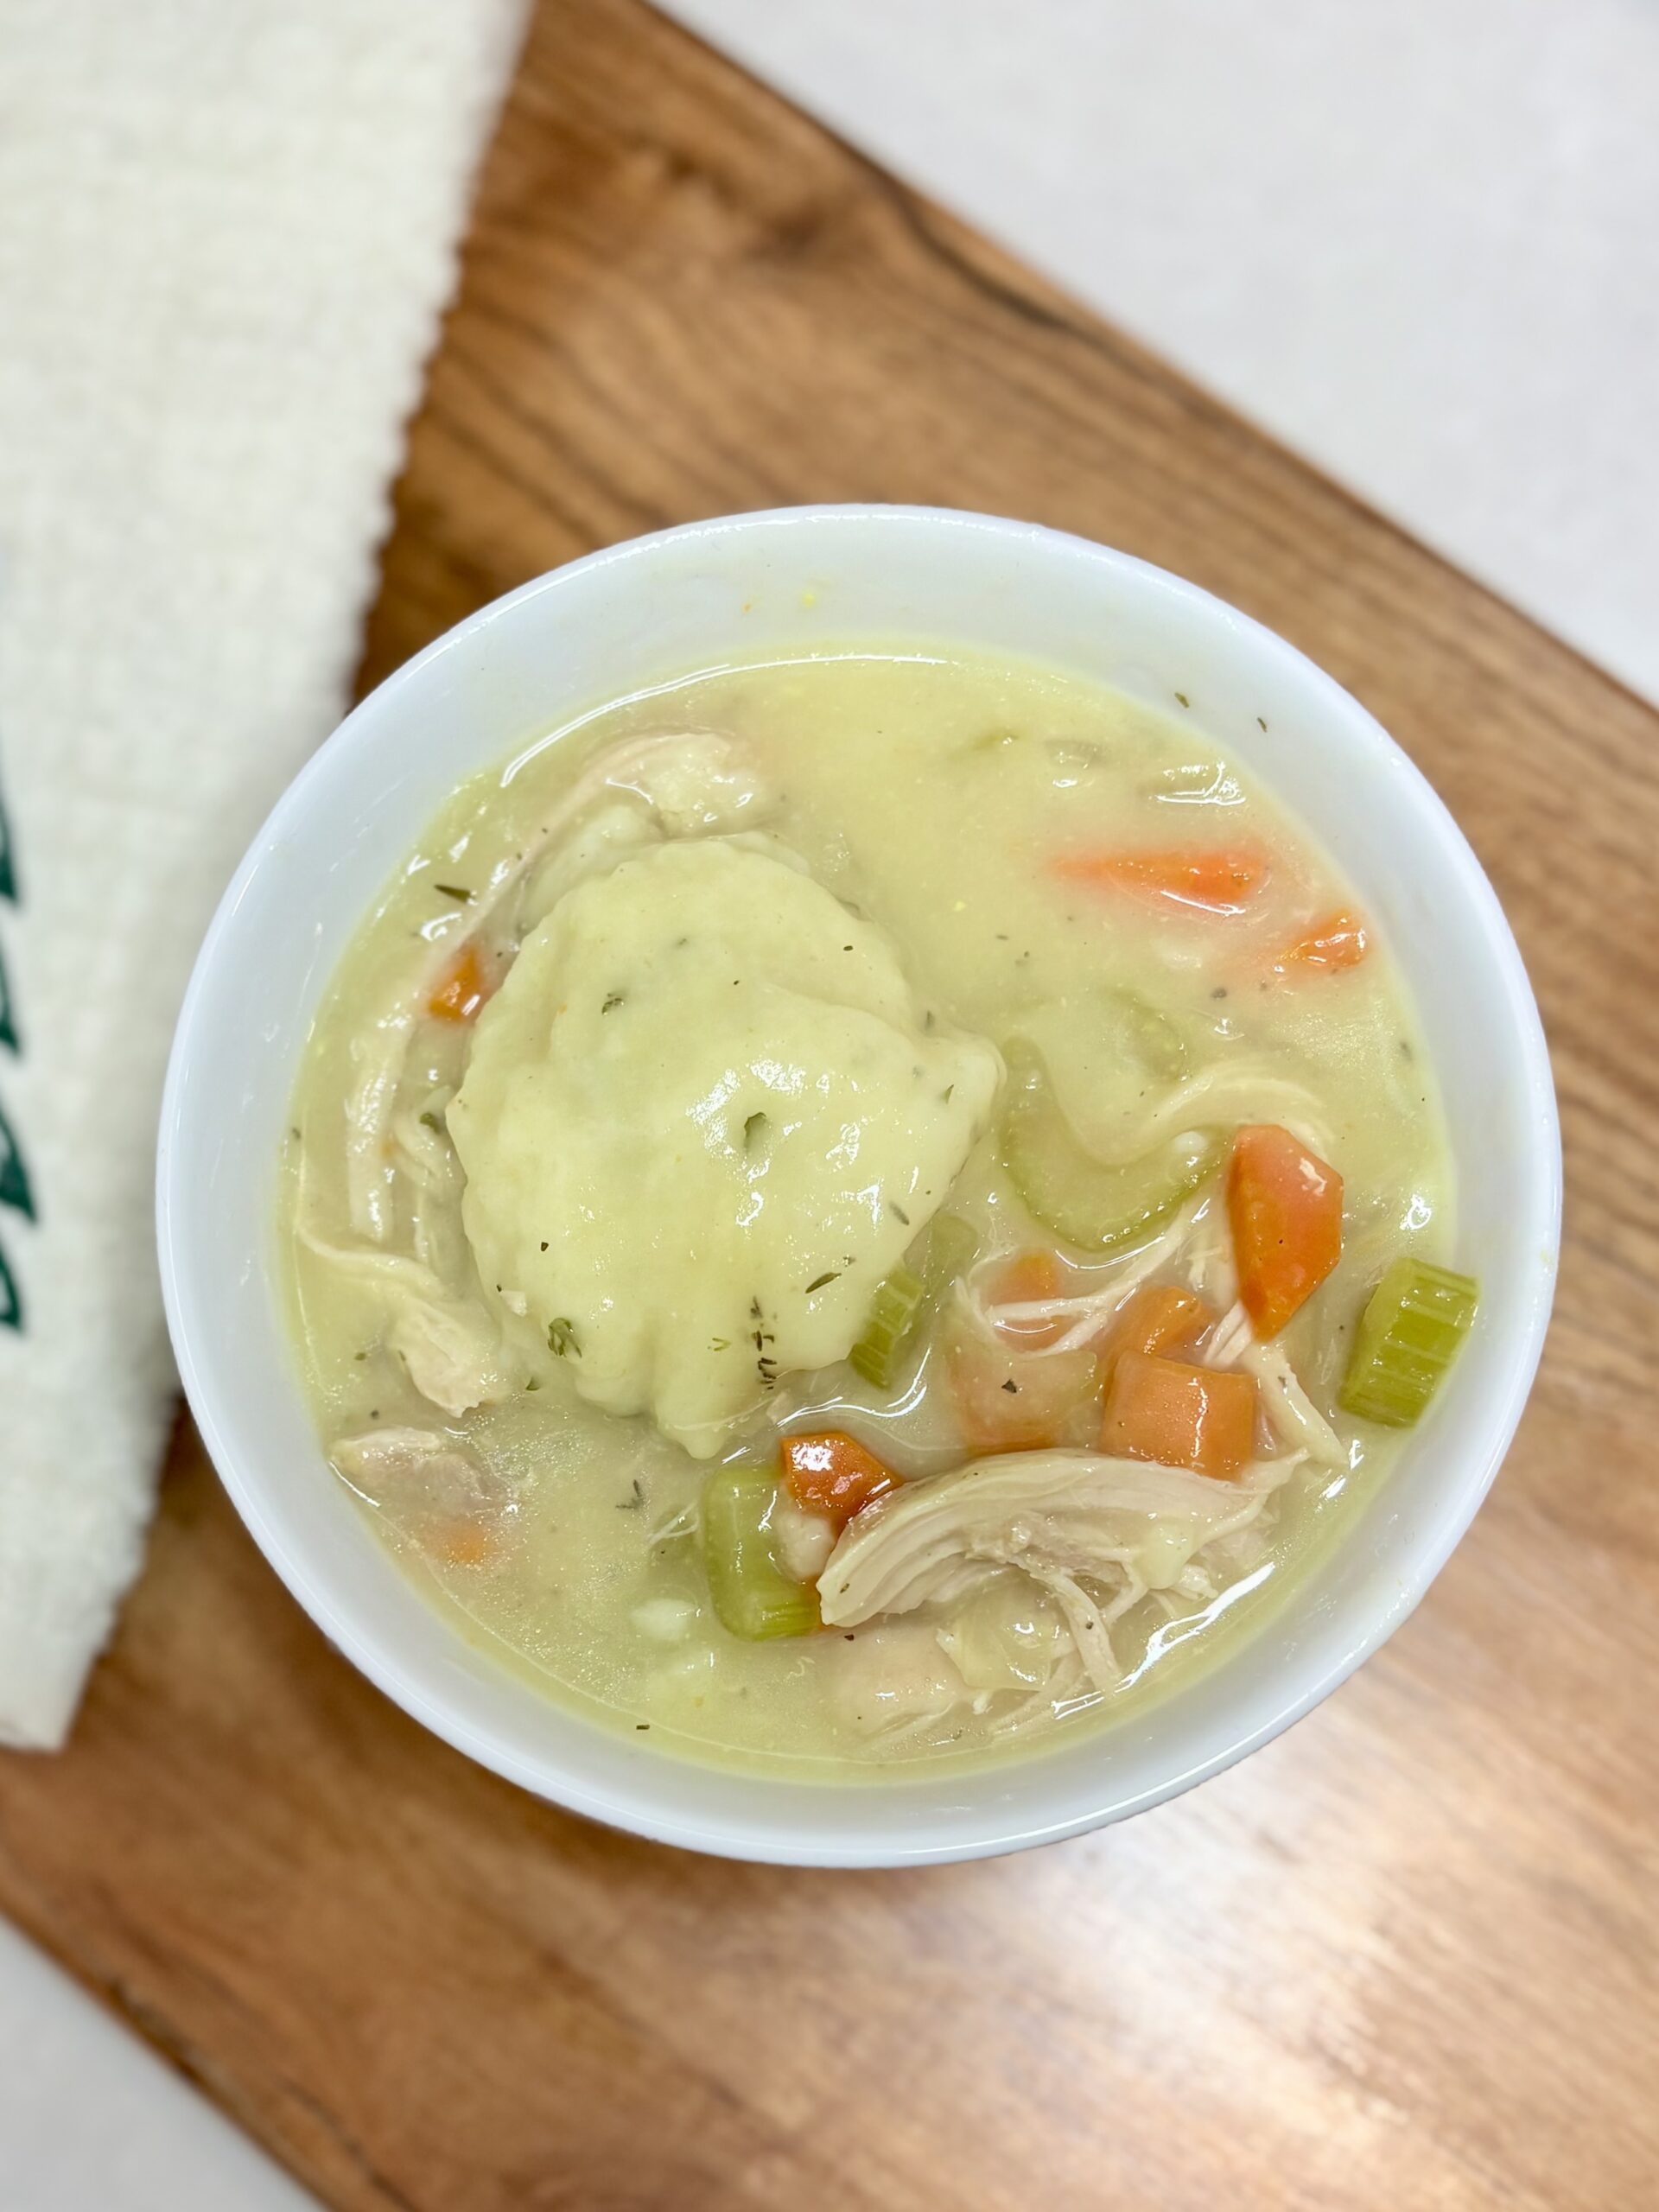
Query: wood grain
x,y
1406,1956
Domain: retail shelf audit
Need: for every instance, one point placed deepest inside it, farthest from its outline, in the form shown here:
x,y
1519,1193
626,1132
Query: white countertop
x,y
1417,240
90,2121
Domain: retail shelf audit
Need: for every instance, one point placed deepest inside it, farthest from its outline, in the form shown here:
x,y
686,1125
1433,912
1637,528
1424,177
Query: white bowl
x,y
735,588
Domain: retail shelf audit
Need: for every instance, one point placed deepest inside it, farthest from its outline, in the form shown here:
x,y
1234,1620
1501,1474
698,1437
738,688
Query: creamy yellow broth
x,y
938,795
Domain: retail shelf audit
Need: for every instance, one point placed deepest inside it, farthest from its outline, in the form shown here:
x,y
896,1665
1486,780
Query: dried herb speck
x,y
562,1339
764,1365
895,1208
454,891
634,1504
429,1120
818,1282
613,999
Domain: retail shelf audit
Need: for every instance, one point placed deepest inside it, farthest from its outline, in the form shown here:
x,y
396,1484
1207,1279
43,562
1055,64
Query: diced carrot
x,y
1285,1205
833,1474
1336,941
1159,1317
464,987
1012,1400
1179,1415
1027,1278
1217,880
462,1544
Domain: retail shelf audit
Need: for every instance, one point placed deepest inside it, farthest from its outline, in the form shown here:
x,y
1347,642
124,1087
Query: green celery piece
x,y
904,1298
947,1248
1409,1336
1151,1037
1077,1197
753,1598
888,1326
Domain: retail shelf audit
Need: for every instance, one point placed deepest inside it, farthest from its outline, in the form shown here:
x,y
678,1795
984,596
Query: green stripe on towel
x,y
14,1176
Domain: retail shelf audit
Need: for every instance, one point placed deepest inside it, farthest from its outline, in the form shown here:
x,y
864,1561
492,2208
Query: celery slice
x,y
1151,1037
947,1248
1079,1197
904,1298
894,1311
753,1598
1119,1051
1409,1336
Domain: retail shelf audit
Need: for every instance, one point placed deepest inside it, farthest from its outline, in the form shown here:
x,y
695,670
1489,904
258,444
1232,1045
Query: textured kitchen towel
x,y
227,229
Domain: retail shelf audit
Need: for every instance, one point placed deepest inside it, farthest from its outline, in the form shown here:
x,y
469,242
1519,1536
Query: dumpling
x,y
703,1117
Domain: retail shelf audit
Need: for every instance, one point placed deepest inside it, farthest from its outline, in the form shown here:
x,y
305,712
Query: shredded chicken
x,y
1295,1419
432,1491
384,1460
453,1355
894,1683
1230,1338
1094,1533
379,1056
1068,1683
423,1150
1087,1313
1227,1096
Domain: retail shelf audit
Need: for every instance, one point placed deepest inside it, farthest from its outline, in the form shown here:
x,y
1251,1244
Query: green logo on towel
x,y
15,1189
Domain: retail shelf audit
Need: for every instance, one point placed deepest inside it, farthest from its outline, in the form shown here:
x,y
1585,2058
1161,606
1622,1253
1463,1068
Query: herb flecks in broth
x,y
950,1096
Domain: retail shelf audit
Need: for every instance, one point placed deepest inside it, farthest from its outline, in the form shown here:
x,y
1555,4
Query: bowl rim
x,y
1004,1830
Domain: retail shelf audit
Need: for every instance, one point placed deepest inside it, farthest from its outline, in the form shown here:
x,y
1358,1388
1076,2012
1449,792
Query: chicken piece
x,y
1082,1527
695,782
894,1683
455,1355
430,1489
383,1463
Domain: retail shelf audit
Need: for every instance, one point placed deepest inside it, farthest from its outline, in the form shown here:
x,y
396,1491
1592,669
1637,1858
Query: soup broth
x,y
831,1207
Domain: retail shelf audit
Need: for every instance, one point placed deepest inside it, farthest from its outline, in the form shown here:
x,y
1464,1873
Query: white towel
x,y
227,229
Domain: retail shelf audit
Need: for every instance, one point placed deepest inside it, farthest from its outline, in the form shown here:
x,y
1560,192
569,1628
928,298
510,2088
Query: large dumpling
x,y
703,1117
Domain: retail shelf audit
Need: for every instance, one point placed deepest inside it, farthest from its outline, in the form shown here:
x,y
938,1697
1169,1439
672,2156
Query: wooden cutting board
x,y
1407,1955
